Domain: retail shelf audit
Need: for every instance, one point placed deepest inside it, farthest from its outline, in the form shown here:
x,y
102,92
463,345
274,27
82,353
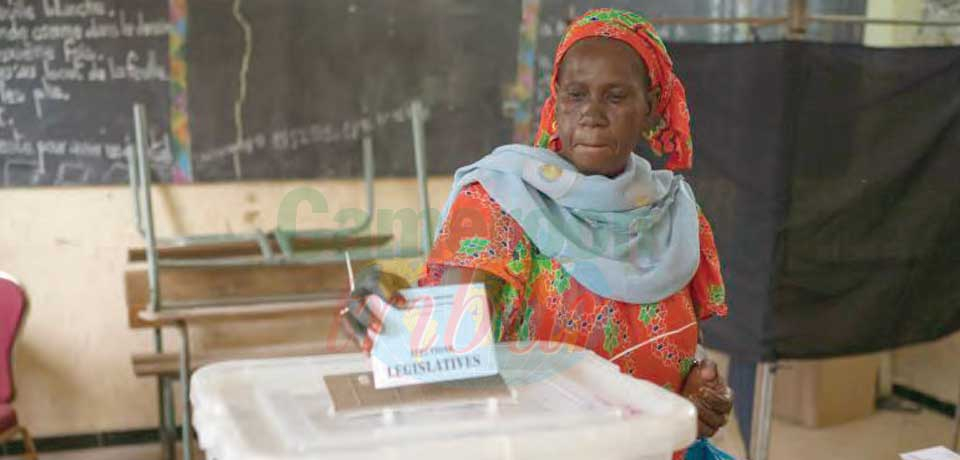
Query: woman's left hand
x,y
712,397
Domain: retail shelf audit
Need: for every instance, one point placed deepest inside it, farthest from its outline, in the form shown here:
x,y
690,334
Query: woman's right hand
x,y
358,322
709,393
362,316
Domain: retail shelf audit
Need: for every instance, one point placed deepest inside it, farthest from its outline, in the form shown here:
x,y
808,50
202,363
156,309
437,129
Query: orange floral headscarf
x,y
671,136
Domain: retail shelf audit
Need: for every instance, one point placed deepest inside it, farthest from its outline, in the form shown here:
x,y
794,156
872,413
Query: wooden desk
x,y
252,248
319,289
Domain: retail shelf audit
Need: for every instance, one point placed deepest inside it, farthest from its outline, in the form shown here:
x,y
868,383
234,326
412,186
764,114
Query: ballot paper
x,y
442,334
933,453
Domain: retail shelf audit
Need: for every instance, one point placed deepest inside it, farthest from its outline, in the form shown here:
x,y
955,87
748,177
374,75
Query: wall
x,y
67,246
895,36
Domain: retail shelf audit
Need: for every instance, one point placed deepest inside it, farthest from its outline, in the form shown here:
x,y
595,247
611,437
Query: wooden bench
x,y
320,291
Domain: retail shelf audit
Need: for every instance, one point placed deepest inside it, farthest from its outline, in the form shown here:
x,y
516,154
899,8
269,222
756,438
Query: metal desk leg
x,y
163,427
185,437
956,423
762,412
165,415
168,441
417,117
171,418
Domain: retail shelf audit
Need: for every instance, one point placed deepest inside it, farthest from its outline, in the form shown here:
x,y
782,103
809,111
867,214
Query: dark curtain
x,y
829,174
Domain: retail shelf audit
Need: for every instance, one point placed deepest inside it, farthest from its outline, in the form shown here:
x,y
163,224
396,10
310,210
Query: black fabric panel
x,y
735,94
870,246
829,175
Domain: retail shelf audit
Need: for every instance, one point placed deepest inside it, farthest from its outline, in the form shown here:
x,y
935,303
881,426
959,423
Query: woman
x,y
578,239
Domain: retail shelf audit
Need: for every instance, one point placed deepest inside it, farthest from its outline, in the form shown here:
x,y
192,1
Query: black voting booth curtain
x,y
831,174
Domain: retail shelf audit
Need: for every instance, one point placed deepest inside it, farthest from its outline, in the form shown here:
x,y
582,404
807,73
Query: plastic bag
x,y
703,449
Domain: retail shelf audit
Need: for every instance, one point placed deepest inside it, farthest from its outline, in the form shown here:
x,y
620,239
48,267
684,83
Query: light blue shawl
x,y
633,238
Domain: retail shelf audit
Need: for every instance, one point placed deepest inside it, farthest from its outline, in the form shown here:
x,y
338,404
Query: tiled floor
x,y
881,436
136,452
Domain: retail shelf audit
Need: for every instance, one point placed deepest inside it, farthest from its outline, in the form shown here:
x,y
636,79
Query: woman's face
x,y
603,105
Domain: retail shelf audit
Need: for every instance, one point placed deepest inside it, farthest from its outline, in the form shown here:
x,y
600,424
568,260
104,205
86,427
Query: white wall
x,y
898,36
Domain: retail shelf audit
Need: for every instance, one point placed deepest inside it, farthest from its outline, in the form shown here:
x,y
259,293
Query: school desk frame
x,y
141,186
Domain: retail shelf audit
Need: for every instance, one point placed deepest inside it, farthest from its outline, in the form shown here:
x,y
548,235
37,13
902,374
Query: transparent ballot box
x,y
554,401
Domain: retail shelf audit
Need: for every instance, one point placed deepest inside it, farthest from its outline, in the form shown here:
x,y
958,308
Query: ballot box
x,y
550,401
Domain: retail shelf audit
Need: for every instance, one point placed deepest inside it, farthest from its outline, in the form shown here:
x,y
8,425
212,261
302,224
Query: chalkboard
x,y
70,71
274,89
316,72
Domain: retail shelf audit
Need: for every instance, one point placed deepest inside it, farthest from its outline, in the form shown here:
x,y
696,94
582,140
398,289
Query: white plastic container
x,y
567,403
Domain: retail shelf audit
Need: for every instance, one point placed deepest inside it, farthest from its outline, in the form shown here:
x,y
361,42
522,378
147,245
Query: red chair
x,y
13,307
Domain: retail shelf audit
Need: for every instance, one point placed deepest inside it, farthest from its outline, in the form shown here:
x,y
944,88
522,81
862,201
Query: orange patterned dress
x,y
541,301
